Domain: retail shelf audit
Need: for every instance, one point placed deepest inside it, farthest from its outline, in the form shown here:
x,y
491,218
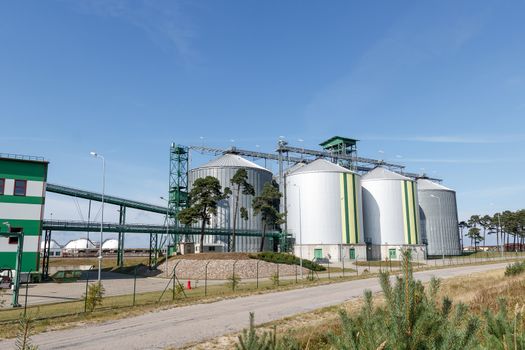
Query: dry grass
x,y
479,291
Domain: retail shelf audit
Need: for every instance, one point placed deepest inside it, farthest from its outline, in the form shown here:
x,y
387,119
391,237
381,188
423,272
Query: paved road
x,y
184,325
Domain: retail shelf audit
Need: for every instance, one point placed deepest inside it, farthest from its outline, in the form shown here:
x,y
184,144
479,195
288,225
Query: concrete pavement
x,y
183,325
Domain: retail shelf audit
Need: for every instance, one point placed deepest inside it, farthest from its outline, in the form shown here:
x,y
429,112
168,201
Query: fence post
x,y
356,267
257,275
295,274
343,261
233,276
27,286
328,268
173,284
85,295
135,285
206,278
277,275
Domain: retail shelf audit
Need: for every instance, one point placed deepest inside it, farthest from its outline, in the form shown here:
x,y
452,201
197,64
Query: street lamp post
x,y
167,231
300,232
96,155
440,228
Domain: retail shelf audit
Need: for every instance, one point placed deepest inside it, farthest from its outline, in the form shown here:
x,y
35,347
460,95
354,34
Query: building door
x,y
351,253
318,253
392,253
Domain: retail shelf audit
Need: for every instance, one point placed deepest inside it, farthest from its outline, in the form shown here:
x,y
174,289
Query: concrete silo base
x,y
394,251
332,252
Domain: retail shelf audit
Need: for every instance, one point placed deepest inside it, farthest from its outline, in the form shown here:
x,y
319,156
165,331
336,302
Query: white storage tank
x,y
324,211
223,168
391,214
439,218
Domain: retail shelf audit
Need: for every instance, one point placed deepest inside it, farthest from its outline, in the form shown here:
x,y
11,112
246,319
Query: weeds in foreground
x,y
515,269
233,281
23,336
411,318
94,296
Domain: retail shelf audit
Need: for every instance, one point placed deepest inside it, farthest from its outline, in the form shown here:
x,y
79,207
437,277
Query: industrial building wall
x,y
391,215
23,212
439,225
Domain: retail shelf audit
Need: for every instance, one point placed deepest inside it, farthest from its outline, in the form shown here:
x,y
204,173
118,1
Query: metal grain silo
x,y
391,214
324,212
223,168
439,218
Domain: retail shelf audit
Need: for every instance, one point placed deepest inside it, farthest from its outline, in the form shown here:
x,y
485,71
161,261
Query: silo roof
x,y
424,184
381,173
321,166
232,160
294,168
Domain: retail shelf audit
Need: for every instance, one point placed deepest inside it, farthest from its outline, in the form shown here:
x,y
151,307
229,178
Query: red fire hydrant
x,y
188,286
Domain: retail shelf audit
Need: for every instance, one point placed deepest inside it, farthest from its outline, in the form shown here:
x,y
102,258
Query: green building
x,y
22,195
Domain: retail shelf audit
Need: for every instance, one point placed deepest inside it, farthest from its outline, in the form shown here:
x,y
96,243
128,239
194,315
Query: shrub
x,y
288,259
411,319
94,296
275,279
250,340
515,269
233,281
23,335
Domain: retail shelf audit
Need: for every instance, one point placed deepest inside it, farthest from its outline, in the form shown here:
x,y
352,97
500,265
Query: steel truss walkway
x,y
75,192
82,226
153,230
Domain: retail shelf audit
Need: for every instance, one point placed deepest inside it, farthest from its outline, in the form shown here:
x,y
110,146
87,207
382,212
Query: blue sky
x,y
438,86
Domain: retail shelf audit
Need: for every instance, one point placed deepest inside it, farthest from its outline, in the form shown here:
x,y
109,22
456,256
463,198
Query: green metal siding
x,y
30,260
23,170
21,199
29,227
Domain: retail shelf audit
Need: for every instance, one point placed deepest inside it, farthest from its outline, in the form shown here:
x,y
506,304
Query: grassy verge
x,y
479,291
69,314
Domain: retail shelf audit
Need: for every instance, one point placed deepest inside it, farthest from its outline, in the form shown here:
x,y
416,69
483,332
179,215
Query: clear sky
x,y
436,85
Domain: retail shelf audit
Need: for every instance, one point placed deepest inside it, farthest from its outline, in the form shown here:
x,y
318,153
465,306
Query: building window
x,y
20,187
12,240
2,186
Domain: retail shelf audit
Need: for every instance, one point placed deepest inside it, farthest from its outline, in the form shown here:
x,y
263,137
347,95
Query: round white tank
x,y
81,243
439,218
223,168
110,244
391,213
324,204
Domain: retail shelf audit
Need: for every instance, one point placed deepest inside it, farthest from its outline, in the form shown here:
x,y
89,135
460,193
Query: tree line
x,y
207,192
508,226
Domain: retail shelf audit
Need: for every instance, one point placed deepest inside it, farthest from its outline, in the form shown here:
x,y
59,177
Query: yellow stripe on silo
x,y
350,183
412,212
357,216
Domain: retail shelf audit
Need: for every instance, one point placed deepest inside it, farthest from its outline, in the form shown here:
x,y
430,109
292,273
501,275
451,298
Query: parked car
x,y
6,278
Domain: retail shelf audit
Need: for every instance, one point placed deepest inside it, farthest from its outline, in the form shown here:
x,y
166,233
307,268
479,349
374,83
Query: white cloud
x,y
163,21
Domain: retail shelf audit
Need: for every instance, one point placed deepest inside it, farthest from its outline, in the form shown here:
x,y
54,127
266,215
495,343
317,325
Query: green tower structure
x,y
22,196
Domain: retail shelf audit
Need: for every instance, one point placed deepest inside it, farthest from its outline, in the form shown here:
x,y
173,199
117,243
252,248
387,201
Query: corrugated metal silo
x,y
324,208
391,213
223,168
439,218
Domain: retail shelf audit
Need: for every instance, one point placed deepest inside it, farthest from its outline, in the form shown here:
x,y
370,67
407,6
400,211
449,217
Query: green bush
x,y
515,269
288,259
250,340
234,281
94,296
